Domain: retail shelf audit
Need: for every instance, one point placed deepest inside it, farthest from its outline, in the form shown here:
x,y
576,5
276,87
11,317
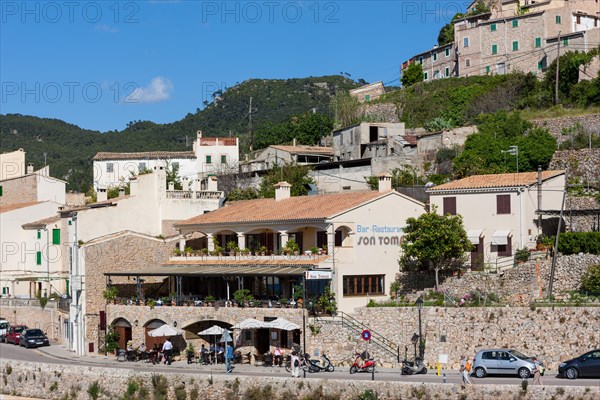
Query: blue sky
x,y
102,64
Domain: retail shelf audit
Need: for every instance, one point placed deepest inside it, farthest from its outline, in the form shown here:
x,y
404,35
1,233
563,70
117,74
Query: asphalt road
x,y
16,353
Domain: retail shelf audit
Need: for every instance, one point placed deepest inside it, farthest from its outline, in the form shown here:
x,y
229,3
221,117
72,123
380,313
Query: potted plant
x,y
263,250
151,303
110,294
314,250
177,252
242,296
204,252
188,251
210,299
245,251
231,246
291,247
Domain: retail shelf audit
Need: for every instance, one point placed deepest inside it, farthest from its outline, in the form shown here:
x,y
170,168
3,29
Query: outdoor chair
x,y
258,360
268,360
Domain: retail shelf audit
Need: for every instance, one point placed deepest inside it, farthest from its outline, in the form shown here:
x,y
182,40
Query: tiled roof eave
x,y
257,222
479,190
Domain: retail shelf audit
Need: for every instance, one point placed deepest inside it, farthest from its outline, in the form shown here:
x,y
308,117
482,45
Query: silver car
x,y
502,361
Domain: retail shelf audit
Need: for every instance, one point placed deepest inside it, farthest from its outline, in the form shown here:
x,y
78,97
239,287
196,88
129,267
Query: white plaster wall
x,y
51,189
12,165
123,169
19,247
215,167
334,180
360,258
479,212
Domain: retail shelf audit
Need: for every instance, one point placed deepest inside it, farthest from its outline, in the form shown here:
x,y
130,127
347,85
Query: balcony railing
x,y
196,195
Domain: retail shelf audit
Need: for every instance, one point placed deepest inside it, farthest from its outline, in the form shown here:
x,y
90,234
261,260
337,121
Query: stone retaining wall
x,y
553,334
583,164
51,381
588,223
590,123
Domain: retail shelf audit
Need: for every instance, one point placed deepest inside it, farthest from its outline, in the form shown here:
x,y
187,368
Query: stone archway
x,y
122,327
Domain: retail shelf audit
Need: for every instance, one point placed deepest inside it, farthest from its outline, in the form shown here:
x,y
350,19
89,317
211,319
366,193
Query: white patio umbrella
x,y
283,324
249,323
215,331
165,330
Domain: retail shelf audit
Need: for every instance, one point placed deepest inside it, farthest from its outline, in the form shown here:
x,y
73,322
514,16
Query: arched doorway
x,y
123,328
149,340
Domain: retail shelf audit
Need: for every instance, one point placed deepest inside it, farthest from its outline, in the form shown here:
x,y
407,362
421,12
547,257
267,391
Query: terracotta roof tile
x,y
496,181
107,156
16,206
42,222
410,139
292,209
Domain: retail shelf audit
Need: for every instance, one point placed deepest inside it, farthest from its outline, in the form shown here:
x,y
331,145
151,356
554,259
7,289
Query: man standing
x,y
167,350
228,358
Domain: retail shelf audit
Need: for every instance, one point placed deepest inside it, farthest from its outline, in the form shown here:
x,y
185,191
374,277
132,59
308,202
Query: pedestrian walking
x,y
167,349
538,370
228,358
295,362
465,371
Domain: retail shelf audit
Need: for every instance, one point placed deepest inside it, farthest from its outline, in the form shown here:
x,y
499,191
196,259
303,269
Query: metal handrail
x,y
358,326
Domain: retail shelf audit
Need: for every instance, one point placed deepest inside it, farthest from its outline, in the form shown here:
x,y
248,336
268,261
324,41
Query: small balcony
x,y
194,195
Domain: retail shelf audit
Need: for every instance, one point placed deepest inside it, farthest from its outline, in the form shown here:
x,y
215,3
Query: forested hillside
x,y
69,148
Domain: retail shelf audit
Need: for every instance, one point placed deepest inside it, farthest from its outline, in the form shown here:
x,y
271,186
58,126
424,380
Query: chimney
x,y
171,186
282,191
185,183
385,183
102,194
212,184
133,186
30,168
197,185
121,192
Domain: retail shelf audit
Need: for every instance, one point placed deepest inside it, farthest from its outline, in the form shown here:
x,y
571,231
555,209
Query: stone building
x,y
437,63
284,155
520,35
369,92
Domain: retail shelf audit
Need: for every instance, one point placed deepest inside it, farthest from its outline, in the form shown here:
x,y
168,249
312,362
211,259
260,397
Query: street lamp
x,y
419,304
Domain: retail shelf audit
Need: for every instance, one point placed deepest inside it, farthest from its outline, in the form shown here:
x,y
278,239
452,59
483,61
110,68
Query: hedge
x,y
579,242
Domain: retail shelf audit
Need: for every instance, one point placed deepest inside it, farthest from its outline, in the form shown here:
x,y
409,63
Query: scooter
x,y
413,368
317,366
368,365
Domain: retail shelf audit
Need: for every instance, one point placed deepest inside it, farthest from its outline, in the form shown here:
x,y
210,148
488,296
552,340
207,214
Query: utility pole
x,y
556,98
250,125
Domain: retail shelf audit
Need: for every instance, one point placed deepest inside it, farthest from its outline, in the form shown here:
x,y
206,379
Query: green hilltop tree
x,y
413,74
435,241
295,175
485,151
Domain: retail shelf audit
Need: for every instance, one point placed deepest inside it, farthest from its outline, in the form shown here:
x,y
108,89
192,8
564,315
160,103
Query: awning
x,y
217,270
474,235
500,237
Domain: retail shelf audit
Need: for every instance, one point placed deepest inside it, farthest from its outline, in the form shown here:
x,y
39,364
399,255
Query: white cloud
x,y
158,90
106,28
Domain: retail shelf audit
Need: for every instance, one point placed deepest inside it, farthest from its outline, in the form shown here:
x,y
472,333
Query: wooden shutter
x,y
450,205
503,204
38,258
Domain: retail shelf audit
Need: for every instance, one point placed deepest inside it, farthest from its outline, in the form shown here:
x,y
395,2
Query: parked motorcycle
x,y
368,364
317,366
413,368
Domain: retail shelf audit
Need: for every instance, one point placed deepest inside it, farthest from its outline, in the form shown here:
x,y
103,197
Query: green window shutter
x,y
487,70
540,65
558,19
494,49
39,234
447,71
538,42
516,45
38,258
425,76
367,98
447,52
208,159
434,56
55,236
223,159
515,23
493,27
0,190
565,41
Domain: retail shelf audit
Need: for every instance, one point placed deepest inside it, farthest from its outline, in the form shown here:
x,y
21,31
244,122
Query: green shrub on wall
x,y
579,242
591,279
